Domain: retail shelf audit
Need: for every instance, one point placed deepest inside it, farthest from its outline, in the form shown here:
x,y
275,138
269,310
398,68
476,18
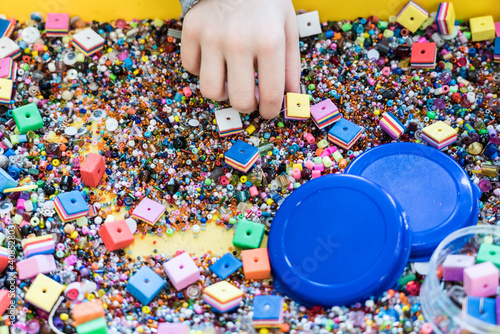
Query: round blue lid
x,y
337,240
434,191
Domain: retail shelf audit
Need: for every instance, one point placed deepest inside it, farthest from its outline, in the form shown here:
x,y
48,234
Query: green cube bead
x,y
248,234
488,252
97,326
27,118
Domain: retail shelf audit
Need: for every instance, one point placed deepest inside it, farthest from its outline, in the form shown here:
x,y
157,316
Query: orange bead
x,y
285,328
343,164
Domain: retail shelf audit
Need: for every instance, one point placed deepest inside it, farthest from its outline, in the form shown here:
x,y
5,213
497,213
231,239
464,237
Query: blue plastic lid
x,y
434,191
338,240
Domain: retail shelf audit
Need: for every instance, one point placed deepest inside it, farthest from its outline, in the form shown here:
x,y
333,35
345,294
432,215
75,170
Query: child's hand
x,y
239,35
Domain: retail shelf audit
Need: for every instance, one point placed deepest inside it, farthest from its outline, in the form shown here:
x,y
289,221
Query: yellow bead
x,y
376,112
243,179
176,118
64,316
482,28
269,201
91,296
101,292
420,317
74,235
144,59
185,305
146,309
55,162
264,331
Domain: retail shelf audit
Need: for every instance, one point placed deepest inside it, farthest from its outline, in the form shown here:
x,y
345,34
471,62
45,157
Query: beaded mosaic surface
x,y
131,101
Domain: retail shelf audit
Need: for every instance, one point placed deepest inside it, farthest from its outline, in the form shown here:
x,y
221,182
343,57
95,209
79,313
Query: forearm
x,y
187,4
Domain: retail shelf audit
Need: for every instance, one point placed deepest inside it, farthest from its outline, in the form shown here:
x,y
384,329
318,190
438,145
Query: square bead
x,y
267,311
85,312
228,122
145,285
116,235
423,55
6,181
256,263
38,264
57,24
226,266
439,135
88,42
325,113
481,308
149,211
344,133
482,28
7,68
172,328
27,118
392,126
92,169
445,18
182,271
71,205
309,24
43,244
43,292
241,156
96,326
454,265
4,301
5,91
496,53
223,296
489,253
481,280
7,27
9,48
297,106
412,16
248,234
4,258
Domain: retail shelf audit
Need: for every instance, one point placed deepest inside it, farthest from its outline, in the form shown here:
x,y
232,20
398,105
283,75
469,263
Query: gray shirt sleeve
x,y
187,4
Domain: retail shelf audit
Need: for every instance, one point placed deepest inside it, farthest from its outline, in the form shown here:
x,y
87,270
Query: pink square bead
x,y
57,24
6,65
172,328
497,28
35,265
454,265
254,191
182,271
315,174
149,211
481,280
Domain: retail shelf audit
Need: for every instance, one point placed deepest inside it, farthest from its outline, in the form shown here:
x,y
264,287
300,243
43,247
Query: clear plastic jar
x,y
438,308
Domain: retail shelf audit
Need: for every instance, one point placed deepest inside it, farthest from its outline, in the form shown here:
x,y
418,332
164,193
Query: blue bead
x,y
72,202
145,285
226,266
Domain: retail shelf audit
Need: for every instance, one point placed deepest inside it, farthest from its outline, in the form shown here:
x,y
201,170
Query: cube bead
x,y
228,122
7,68
482,28
392,126
344,133
38,264
92,169
85,312
5,91
145,285
248,234
423,55
309,24
256,263
96,326
489,253
27,118
116,235
445,18
223,296
172,328
481,308
241,156
325,113
481,280
267,311
182,271
71,205
6,181
4,301
454,265
88,42
57,24
43,292
9,48
149,211
297,106
439,135
412,16
226,266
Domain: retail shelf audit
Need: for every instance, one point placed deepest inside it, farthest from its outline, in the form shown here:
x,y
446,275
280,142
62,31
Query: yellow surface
x,y
328,9
411,17
223,292
44,292
5,89
297,105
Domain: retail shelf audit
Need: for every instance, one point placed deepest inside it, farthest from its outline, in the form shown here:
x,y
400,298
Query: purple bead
x,y
439,103
485,185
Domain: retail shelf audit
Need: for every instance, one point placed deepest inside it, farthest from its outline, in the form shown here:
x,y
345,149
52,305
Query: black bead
x,y
26,230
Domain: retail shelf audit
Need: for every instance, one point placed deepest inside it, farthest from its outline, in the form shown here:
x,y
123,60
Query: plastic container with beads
x,y
440,302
